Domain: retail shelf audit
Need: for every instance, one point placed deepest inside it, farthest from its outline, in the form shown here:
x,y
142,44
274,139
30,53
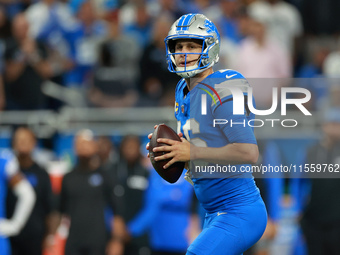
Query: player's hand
x,y
148,144
178,151
8,228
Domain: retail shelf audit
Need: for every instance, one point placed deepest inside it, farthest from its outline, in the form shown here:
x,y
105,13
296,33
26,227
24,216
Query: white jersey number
x,y
194,126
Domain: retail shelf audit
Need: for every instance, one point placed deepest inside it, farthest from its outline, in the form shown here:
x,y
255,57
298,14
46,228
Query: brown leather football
x,y
172,173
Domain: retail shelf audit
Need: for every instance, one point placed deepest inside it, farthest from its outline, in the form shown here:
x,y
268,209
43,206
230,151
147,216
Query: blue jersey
x,y
167,205
195,121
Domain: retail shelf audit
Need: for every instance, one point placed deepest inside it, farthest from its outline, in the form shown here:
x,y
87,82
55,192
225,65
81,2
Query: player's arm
x,y
241,149
235,153
26,199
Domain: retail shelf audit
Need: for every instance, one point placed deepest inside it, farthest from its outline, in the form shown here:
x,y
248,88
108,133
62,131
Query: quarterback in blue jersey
x,y
213,134
10,176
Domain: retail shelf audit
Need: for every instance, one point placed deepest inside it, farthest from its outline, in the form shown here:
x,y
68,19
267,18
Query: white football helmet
x,y
193,26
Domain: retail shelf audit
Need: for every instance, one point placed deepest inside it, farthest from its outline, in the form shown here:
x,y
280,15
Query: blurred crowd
x,y
111,53
109,202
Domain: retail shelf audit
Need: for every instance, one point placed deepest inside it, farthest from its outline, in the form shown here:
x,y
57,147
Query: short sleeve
x,y
237,129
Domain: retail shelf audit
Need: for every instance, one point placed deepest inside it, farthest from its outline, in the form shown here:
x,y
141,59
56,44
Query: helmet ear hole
x,y
204,61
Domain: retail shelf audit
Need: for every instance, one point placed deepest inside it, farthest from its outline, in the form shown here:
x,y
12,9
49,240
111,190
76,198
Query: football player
x,y
236,215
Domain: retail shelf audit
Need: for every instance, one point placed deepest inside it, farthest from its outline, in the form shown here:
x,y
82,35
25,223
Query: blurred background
x,y
99,65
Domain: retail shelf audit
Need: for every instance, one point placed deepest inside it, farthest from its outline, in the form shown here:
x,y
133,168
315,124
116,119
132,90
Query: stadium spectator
x,y
4,34
231,20
321,18
107,153
106,9
284,24
43,14
140,28
332,72
88,185
206,7
228,20
37,233
12,8
272,60
174,8
115,78
314,68
321,216
83,40
2,94
331,65
155,79
128,11
131,181
170,206
5,28
313,79
12,178
260,57
26,68
48,20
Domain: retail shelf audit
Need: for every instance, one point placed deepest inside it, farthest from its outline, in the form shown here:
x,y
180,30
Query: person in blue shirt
x,y
214,137
170,206
79,37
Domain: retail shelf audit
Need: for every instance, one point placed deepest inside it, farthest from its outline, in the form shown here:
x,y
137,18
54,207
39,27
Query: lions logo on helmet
x,y
193,26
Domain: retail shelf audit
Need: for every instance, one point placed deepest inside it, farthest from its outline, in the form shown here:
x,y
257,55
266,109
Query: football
x,y
172,173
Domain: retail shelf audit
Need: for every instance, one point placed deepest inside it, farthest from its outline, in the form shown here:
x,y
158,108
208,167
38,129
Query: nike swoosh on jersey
x,y
230,76
220,213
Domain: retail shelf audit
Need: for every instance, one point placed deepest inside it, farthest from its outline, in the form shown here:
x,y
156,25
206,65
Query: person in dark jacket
x,y
86,192
38,231
131,180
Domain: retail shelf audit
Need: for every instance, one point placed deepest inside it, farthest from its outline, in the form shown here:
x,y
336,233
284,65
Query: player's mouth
x,y
188,63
